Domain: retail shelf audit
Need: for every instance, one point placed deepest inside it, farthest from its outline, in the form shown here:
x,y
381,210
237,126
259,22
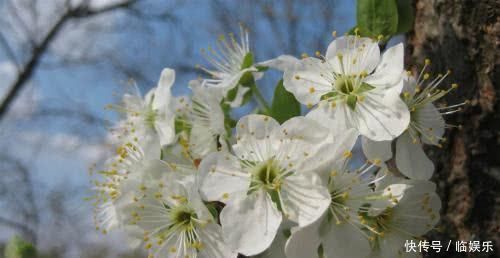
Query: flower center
x,y
267,173
382,220
182,215
344,84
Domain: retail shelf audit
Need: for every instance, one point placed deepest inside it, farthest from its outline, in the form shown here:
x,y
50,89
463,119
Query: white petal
x,y
162,93
304,241
381,116
391,245
221,177
376,150
358,55
411,159
232,81
337,119
304,198
429,118
330,151
345,240
258,137
390,70
305,129
282,63
213,242
202,141
249,224
413,218
165,129
277,248
409,84
305,81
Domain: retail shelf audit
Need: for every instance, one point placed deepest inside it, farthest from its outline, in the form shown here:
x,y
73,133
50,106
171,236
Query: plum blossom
x,y
353,87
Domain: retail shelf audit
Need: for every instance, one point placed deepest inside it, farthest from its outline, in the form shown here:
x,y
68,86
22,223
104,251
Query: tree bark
x,y
463,35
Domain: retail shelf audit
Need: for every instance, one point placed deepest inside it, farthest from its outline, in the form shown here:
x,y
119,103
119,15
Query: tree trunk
x,y
463,35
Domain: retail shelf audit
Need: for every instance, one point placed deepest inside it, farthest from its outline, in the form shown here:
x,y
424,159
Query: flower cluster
x,y
189,180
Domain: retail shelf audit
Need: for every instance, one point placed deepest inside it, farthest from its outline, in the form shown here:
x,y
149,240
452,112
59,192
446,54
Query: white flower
x,y
149,120
414,211
208,132
232,60
339,229
281,63
270,176
116,189
277,248
177,224
354,87
426,126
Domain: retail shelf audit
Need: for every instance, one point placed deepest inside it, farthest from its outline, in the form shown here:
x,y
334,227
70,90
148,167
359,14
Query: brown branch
x,y
40,49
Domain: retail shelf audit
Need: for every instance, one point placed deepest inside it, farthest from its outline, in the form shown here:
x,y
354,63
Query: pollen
x,y
347,154
304,55
312,90
334,33
225,196
297,77
427,61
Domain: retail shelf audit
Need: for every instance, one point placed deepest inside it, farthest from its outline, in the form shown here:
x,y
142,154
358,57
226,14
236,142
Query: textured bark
x,y
463,35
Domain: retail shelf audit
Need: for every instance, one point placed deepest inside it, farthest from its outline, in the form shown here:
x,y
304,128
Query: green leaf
x,y
405,16
247,61
18,248
377,17
231,94
212,208
229,123
284,105
261,68
351,101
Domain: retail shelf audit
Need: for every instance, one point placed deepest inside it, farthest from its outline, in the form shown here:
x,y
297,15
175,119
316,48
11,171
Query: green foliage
x,y
406,16
229,123
377,17
284,105
18,248
383,18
